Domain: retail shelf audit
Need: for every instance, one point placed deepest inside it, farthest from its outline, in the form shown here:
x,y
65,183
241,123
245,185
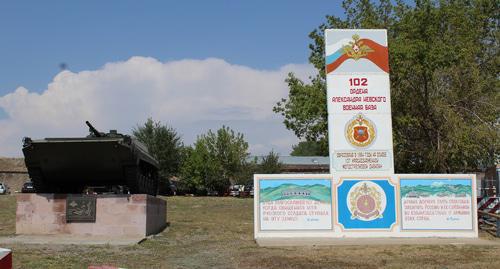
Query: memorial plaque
x,y
81,208
295,203
438,202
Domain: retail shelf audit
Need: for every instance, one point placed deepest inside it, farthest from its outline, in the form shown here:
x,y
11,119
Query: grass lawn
x,y
210,232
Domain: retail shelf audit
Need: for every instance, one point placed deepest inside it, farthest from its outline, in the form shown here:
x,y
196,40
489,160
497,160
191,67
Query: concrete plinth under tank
x,y
116,215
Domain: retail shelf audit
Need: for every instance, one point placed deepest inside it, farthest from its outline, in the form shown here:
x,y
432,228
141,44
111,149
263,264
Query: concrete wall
x,y
116,215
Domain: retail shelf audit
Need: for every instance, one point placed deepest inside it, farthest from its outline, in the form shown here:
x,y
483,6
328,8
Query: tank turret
x,y
70,165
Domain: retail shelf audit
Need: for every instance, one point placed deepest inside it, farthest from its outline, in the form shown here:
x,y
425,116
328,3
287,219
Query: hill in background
x,y
316,192
13,173
445,189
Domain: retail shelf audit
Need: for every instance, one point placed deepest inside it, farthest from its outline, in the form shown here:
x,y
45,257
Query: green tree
x,y
215,161
308,148
270,164
195,168
245,176
444,58
164,144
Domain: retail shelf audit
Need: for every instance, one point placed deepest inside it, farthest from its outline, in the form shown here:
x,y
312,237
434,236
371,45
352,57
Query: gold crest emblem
x,y
356,49
360,131
366,201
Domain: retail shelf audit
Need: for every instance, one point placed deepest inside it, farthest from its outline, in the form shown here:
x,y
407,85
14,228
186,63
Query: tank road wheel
x,y
146,182
131,175
140,182
147,185
149,180
154,178
143,184
153,185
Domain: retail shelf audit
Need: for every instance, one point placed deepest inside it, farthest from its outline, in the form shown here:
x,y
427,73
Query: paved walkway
x,y
282,242
69,240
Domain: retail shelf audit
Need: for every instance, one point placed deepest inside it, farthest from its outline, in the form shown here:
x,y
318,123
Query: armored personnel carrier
x,y
71,165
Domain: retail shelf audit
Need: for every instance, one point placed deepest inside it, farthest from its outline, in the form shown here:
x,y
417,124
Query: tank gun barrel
x,y
93,130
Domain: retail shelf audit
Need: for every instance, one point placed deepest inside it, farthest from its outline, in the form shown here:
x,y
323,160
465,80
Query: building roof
x,y
298,160
305,160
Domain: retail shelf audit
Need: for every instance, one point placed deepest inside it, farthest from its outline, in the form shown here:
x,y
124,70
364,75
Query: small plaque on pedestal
x,y
80,208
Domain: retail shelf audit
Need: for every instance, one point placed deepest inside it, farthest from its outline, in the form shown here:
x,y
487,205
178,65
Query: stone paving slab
x,y
287,242
70,240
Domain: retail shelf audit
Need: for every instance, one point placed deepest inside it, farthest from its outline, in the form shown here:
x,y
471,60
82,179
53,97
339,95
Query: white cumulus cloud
x,y
190,95
437,184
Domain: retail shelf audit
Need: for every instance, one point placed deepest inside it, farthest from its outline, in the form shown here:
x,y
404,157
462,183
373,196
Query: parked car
x,y
234,190
28,187
4,189
212,193
247,191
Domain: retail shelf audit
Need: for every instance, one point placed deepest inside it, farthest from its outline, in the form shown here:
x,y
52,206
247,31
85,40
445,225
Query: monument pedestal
x,y
135,215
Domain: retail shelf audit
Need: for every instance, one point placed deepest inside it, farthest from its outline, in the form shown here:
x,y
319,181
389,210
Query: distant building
x,y
302,164
296,192
412,194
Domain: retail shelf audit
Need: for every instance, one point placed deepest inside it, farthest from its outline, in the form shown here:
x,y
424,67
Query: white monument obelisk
x,y
359,101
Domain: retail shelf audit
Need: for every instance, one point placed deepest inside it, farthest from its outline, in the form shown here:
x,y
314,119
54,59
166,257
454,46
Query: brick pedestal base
x,y
116,215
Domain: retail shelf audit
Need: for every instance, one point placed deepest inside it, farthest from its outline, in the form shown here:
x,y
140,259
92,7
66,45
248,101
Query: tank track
x,y
139,181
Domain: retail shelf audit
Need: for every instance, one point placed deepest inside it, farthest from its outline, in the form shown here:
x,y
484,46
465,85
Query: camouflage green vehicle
x,y
72,165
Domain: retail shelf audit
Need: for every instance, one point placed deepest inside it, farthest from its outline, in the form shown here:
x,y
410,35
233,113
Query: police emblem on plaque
x,y
360,131
366,201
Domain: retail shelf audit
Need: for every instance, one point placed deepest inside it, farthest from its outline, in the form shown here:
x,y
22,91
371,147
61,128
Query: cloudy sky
x,y
194,65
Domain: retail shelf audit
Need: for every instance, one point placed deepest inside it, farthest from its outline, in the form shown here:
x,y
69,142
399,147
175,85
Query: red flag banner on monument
x,y
359,48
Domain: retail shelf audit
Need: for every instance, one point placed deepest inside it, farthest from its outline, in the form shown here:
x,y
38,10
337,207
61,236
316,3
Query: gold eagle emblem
x,y
356,49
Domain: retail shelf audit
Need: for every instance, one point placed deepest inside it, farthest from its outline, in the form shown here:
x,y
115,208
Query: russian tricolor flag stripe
x,y
380,55
331,49
334,56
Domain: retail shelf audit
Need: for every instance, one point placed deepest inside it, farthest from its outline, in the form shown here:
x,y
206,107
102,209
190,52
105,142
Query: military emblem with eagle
x,y
356,49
